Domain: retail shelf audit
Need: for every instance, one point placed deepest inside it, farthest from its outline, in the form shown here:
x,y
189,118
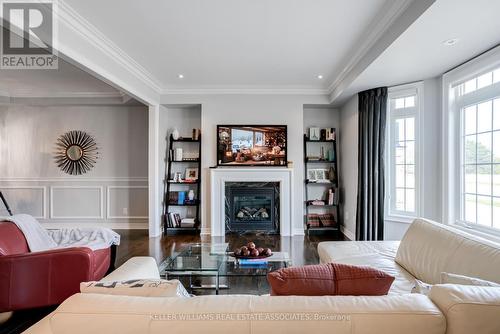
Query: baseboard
x,y
205,231
298,231
348,234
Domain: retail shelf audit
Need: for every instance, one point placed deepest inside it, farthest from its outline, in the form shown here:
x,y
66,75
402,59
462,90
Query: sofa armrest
x,y
43,278
467,308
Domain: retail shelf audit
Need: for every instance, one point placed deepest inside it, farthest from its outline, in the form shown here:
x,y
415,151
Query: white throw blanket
x,y
91,237
39,239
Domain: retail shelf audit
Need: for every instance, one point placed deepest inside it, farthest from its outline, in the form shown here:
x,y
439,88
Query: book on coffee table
x,y
253,262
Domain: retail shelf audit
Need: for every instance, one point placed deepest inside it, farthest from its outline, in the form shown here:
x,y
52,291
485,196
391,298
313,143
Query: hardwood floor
x,y
136,243
303,251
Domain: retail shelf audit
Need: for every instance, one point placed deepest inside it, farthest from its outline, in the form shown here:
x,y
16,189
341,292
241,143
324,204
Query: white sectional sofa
x,y
425,251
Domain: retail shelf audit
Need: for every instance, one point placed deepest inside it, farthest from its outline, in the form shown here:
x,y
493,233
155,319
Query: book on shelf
x,y
320,220
181,197
173,197
316,202
331,195
174,219
188,222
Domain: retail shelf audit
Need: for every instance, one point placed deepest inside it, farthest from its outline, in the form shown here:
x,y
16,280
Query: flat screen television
x,y
251,145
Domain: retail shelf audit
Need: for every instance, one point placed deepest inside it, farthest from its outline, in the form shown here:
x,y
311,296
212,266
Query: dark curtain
x,y
371,162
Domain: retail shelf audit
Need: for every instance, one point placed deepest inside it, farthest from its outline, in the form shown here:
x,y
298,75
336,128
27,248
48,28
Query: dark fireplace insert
x,y
252,207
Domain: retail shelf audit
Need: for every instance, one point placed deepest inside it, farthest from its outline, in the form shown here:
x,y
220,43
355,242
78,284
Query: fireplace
x,y
252,207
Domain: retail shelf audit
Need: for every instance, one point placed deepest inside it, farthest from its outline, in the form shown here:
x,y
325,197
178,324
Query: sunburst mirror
x,y
76,153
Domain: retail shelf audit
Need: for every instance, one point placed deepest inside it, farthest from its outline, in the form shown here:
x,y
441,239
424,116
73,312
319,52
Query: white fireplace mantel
x,y
218,178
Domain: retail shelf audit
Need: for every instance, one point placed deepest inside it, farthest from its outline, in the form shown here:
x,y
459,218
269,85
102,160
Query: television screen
x,y
251,145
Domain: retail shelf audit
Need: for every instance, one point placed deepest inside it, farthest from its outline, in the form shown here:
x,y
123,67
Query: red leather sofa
x,y
29,280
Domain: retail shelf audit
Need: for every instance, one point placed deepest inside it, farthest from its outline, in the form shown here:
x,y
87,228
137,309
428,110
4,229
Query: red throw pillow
x,y
329,279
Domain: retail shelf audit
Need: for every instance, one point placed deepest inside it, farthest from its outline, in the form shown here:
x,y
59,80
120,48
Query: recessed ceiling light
x,y
320,76
451,41
181,76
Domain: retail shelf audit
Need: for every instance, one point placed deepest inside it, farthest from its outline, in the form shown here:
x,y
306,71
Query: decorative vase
x,y
175,134
191,195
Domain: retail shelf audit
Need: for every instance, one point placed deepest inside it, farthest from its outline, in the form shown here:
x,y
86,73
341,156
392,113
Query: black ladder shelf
x,y
169,182
334,185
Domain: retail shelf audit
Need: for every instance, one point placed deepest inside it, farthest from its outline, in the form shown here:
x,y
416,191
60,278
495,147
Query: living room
x,y
247,166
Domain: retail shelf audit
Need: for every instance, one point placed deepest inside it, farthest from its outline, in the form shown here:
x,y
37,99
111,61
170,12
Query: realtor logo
x,y
28,35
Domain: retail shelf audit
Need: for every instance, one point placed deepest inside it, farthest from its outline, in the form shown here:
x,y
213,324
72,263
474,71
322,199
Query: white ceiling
x,y
274,44
235,43
419,52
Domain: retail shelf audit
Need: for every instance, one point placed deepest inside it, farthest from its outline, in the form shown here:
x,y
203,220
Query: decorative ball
x,y
251,245
245,252
261,250
254,252
243,248
268,252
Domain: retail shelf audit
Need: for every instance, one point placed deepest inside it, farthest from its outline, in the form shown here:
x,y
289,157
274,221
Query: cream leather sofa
x,y
450,308
426,250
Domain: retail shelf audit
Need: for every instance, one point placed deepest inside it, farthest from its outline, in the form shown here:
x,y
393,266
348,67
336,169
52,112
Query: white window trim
x,y
451,132
417,89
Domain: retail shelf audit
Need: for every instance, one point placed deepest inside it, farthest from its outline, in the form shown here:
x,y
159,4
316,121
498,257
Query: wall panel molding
x,y
101,202
43,197
74,179
108,202
104,208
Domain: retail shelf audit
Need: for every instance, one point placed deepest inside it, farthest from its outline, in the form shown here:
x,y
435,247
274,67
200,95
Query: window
x,y
402,169
478,102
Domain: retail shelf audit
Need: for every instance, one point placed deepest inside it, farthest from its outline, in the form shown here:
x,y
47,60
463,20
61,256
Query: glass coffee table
x,y
212,260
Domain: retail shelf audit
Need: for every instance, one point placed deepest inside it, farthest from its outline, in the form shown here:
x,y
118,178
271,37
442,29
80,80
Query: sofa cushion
x,y
329,279
447,278
428,249
376,254
468,309
91,313
137,287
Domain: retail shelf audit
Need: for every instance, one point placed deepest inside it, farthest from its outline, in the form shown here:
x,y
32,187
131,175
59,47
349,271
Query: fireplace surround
x,y
283,177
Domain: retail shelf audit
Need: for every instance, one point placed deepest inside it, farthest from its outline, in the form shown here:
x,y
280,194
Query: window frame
x,y
414,89
452,136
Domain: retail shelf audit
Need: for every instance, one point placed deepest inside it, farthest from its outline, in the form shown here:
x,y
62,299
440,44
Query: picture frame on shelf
x,y
321,175
191,174
311,175
317,175
314,133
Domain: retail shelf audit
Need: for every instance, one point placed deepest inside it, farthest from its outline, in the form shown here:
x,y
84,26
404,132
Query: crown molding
x,y
387,22
392,20
72,19
245,91
62,95
63,98
378,26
